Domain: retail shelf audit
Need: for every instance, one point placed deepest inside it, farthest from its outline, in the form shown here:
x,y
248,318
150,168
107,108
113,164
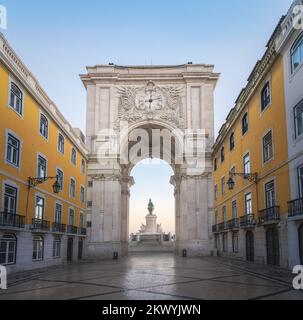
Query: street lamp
x,y
33,182
251,177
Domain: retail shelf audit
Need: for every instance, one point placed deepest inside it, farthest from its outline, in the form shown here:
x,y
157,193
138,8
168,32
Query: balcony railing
x,y
11,220
295,208
58,227
39,224
222,226
215,228
72,230
247,221
269,215
82,231
233,224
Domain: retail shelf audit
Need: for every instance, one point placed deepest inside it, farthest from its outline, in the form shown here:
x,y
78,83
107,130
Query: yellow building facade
x,y
39,226
251,173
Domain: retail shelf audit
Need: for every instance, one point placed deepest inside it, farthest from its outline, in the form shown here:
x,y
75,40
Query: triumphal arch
x,y
139,112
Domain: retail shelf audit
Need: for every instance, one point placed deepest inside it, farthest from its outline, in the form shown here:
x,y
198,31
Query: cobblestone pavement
x,y
154,277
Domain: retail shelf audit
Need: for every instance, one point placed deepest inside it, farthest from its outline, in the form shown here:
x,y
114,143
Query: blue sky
x,y
58,39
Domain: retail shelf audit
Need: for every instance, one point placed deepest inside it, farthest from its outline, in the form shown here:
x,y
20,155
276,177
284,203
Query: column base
x,y
105,250
194,248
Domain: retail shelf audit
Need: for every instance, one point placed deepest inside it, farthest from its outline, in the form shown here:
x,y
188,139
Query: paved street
x,y
154,277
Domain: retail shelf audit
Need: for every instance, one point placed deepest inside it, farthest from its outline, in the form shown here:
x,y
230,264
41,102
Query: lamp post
x,y
33,182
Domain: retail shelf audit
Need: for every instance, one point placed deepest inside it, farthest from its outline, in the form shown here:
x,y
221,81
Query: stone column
x,y
126,183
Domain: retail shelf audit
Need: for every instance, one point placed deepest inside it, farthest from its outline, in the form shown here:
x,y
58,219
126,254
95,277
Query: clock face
x,y
151,99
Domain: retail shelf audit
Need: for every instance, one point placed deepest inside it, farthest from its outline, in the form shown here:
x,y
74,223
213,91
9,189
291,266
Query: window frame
x,y
300,181
235,244
58,204
272,192
222,154
232,141
72,179
82,200
36,239
297,45
11,135
60,135
245,116
40,156
6,185
246,163
69,217
73,156
57,243
265,103
9,238
42,115
37,217
21,99
234,207
61,181
264,151
223,185
83,166
296,116
246,201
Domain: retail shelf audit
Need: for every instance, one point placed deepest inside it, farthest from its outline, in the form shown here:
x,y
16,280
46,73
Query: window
x,y
83,166
265,96
270,197
223,185
82,194
232,142
57,248
216,217
42,166
60,176
234,209
8,247
61,143
40,207
90,184
297,54
16,98
81,220
72,188
215,164
246,164
10,199
13,150
38,246
300,178
74,156
71,217
299,119
222,154
233,172
267,147
58,213
224,240
216,192
245,123
224,214
89,204
43,126
235,243
248,204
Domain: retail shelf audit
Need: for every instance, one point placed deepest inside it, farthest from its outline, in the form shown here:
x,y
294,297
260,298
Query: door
x,y
80,249
70,244
273,247
250,246
301,243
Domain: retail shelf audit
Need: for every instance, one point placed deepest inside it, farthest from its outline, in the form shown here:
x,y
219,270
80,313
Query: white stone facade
x,y
182,99
289,35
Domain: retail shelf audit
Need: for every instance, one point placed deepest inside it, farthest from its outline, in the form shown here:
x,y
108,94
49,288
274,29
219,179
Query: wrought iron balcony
x,y
295,208
247,221
58,227
269,215
39,224
233,224
11,220
223,226
82,231
72,229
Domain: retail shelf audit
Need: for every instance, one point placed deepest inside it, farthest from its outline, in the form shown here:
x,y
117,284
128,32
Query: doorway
x,y
80,249
250,246
273,247
70,244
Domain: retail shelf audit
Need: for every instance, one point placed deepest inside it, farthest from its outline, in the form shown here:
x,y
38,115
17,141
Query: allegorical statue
x,y
150,207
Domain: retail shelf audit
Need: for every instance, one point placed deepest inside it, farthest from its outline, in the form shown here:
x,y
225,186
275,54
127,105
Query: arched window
x,y
38,248
245,123
296,53
222,154
232,141
16,98
8,249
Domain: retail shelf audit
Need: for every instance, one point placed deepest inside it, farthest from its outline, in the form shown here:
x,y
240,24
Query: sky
x,y
57,39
